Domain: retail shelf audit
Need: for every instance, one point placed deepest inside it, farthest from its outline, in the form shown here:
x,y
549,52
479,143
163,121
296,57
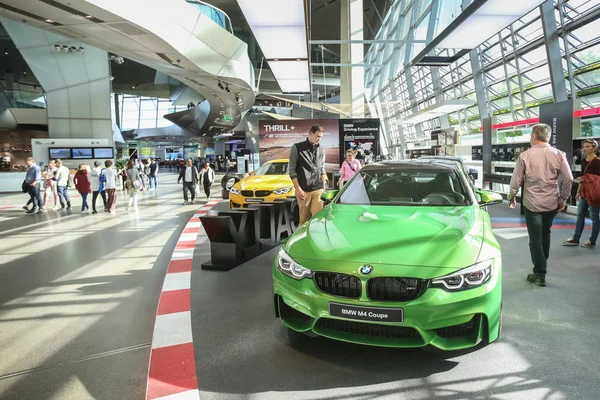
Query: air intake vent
x,y
127,29
70,10
28,14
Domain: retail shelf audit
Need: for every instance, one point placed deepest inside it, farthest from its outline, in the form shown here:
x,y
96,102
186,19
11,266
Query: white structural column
x,y
77,84
352,84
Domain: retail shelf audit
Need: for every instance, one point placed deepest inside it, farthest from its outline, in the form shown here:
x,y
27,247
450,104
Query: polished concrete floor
x,y
548,349
78,295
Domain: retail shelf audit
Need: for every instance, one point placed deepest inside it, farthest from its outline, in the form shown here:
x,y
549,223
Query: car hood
x,y
441,237
264,182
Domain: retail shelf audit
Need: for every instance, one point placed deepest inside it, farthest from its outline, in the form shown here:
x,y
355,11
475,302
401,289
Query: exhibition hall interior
x,y
299,199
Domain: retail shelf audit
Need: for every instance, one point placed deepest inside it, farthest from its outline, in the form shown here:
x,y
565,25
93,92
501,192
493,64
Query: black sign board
x,y
361,135
560,118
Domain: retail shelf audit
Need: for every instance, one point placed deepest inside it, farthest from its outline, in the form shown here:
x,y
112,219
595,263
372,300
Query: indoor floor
x,y
79,293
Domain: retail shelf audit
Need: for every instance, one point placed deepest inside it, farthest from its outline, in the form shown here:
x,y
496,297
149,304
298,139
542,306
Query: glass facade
x,y
515,72
139,112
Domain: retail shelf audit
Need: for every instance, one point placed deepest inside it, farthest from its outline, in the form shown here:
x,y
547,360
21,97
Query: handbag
x,y
590,186
137,184
25,186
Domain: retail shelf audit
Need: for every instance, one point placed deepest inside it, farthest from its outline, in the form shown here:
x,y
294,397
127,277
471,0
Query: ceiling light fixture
x,y
282,38
49,21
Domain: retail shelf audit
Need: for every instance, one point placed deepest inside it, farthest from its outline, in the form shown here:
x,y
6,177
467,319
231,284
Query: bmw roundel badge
x,y
365,270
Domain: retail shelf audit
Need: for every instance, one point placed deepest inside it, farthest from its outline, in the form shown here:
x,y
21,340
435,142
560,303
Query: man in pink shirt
x,y
349,167
546,177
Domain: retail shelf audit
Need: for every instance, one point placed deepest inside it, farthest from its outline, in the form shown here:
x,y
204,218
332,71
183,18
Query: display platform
x,y
548,348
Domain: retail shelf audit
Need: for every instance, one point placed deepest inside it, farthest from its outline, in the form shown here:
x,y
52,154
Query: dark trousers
x,y
95,196
191,187
36,196
539,226
63,195
207,190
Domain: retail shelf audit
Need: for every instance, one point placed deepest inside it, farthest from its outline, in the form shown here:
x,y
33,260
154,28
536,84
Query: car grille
x,y
338,284
364,329
248,193
458,331
262,193
396,289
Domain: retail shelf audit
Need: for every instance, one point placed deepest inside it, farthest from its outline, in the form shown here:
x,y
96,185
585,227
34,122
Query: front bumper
x,y
448,321
239,201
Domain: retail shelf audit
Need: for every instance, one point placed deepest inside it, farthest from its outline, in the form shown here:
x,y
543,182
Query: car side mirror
x,y
329,195
489,198
473,173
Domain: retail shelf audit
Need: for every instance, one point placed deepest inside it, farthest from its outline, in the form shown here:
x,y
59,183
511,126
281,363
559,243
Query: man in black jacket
x,y
307,171
189,174
152,173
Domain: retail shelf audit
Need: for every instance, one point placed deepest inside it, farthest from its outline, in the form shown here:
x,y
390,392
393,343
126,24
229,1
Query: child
x,y
83,186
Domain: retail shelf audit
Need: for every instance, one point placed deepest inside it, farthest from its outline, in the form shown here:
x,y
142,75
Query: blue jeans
x,y
584,210
63,195
150,179
84,204
539,226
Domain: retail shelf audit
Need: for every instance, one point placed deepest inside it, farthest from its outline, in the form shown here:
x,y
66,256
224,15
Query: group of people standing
x,y
54,180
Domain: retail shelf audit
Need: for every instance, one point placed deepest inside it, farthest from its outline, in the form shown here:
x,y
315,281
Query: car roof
x,y
280,160
411,165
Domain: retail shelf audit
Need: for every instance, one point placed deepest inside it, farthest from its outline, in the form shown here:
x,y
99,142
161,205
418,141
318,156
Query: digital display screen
x,y
81,152
103,152
59,153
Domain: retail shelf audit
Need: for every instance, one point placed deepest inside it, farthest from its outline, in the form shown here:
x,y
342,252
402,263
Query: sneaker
x,y
41,210
192,202
537,279
33,210
25,208
68,208
185,203
571,242
94,212
55,208
588,244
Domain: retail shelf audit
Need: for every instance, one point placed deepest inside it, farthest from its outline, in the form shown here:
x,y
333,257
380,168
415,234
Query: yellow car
x,y
269,182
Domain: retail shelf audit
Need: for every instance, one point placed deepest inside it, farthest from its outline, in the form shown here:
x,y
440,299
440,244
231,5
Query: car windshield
x,y
406,187
278,168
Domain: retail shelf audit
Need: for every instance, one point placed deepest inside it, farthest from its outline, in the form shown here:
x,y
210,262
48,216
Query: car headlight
x,y
234,190
291,268
284,190
467,278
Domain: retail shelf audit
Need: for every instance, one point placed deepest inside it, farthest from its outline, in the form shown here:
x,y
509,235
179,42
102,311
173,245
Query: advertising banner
x,y
360,135
190,152
276,137
560,118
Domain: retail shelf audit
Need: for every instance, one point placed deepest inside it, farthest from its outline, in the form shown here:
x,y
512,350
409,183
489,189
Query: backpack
x,y
70,181
102,176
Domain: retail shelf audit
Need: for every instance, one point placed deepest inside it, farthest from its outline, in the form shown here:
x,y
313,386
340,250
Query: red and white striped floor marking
x,y
172,372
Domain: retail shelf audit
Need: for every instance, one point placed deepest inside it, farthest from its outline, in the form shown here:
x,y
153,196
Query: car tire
x,y
228,181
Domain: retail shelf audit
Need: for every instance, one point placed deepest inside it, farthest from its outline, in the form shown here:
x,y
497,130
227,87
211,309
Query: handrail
x,y
22,99
225,24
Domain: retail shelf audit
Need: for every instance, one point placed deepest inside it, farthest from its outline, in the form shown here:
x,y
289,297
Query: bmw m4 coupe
x,y
402,256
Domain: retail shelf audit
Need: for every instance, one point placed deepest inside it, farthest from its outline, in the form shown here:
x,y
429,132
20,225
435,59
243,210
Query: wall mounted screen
x,y
59,153
81,153
103,152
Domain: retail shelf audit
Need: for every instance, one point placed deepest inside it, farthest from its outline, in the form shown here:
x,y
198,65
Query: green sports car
x,y
402,256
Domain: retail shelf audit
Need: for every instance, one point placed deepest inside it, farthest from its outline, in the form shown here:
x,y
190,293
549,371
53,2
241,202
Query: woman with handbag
x,y
133,184
590,165
349,167
83,186
50,189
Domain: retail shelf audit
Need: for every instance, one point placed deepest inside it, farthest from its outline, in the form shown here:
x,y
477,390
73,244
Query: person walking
x,y
50,189
133,184
349,167
33,178
62,183
110,186
547,179
307,171
207,177
83,186
97,186
189,175
153,174
589,165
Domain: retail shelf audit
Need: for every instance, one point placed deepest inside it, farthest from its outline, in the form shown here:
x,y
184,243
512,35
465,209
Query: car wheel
x,y
228,181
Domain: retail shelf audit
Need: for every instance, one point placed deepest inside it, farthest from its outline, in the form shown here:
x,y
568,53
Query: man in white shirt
x,y
189,174
95,181
62,181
